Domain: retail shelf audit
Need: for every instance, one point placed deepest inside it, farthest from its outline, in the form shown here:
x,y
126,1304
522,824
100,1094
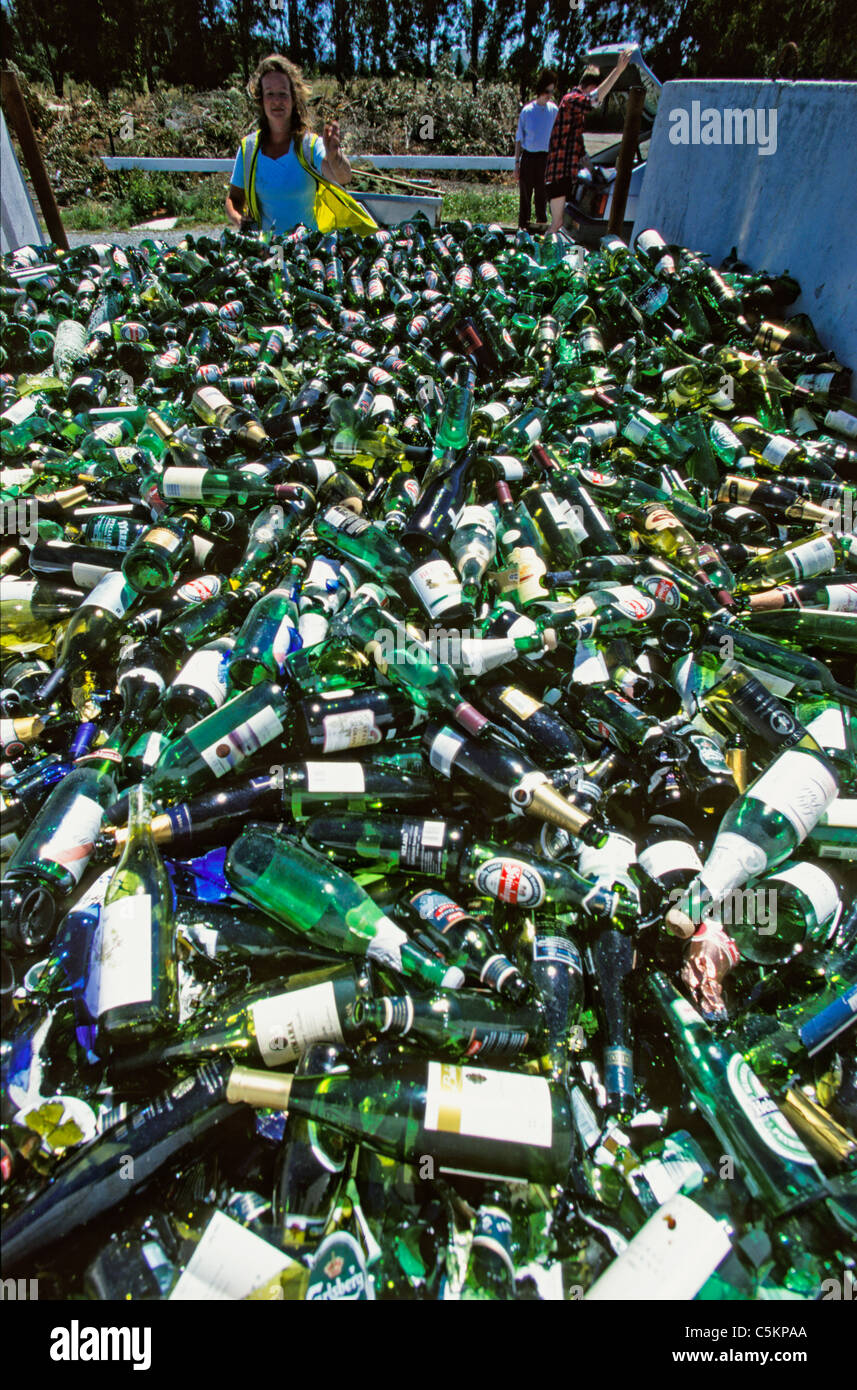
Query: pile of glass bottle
x,y
429,773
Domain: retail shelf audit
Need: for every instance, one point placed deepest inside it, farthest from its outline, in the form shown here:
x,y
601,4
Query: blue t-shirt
x,y
535,124
284,191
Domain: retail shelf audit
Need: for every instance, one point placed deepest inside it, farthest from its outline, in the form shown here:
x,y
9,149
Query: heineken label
x,y
764,1114
338,1272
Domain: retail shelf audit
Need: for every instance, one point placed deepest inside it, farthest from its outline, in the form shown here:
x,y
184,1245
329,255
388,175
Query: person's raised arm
x,y
613,76
335,165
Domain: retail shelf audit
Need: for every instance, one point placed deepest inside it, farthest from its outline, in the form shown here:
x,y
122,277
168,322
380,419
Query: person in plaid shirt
x,y
566,151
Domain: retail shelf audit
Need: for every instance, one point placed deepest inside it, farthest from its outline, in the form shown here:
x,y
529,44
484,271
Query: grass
x,y
144,196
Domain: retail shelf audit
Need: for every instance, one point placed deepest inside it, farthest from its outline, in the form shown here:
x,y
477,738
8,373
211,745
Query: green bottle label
x,y
339,1272
764,1114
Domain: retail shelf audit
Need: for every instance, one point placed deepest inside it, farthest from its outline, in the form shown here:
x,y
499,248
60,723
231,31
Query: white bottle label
x,y
345,520
203,587
813,557
20,411
519,702
287,1023
124,960
228,1264
764,1114
335,777
437,586
667,855
632,602
816,886
74,839
444,751
238,744
386,945
494,1105
186,483
828,729
511,881
312,628
477,516
799,786
733,859
353,729
778,449
88,576
670,1258
112,594
842,598
206,671
842,423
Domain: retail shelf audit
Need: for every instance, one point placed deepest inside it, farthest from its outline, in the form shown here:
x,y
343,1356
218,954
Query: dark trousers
x,y
532,183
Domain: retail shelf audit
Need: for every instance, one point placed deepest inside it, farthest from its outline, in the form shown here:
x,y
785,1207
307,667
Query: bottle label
x,y
196,590
842,423
632,602
386,945
143,673
437,586
338,1272
493,1231
565,515
670,1172
73,841
231,1263
733,859
828,729
664,590
353,729
87,576
815,886
436,907
531,568
668,855
112,594
238,744
841,598
816,381
313,627
799,786
444,750
764,1114
519,702
206,671
422,846
164,539
494,1105
777,449
186,483
344,520
511,881
813,557
122,952
335,778
670,1258
287,1023
557,949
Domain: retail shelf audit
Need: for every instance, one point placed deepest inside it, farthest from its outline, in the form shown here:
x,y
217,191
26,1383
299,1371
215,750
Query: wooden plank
x,y
19,119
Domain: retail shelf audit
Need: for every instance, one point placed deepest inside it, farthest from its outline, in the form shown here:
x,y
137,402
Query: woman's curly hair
x,y
300,119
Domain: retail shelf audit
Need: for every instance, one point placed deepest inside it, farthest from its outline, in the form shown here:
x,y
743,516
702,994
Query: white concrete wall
x,y
19,225
794,209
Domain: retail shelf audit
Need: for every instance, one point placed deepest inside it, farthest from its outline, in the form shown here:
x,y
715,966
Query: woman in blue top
x,y
270,185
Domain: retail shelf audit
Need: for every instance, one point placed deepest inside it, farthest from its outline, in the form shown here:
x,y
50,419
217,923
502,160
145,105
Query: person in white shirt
x,y
535,124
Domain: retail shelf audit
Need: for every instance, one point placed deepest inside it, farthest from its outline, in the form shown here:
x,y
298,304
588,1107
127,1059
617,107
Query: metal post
x,y
19,119
625,162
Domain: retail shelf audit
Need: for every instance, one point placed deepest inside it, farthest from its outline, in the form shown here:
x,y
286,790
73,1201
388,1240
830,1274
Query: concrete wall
x,y
792,209
19,225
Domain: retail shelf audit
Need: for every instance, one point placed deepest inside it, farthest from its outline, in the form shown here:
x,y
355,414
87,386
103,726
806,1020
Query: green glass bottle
x,y
220,743
272,1022
134,988
465,1118
772,1159
315,897
463,1024
267,636
759,830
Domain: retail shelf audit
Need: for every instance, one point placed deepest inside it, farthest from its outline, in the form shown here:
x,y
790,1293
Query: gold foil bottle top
x,y
261,1089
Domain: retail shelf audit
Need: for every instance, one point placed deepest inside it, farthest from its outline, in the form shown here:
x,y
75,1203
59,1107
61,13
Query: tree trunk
x,y
294,32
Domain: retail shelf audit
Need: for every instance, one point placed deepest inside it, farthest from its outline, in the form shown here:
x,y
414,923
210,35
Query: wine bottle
x,y
463,1024
134,989
465,1118
463,940
311,895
